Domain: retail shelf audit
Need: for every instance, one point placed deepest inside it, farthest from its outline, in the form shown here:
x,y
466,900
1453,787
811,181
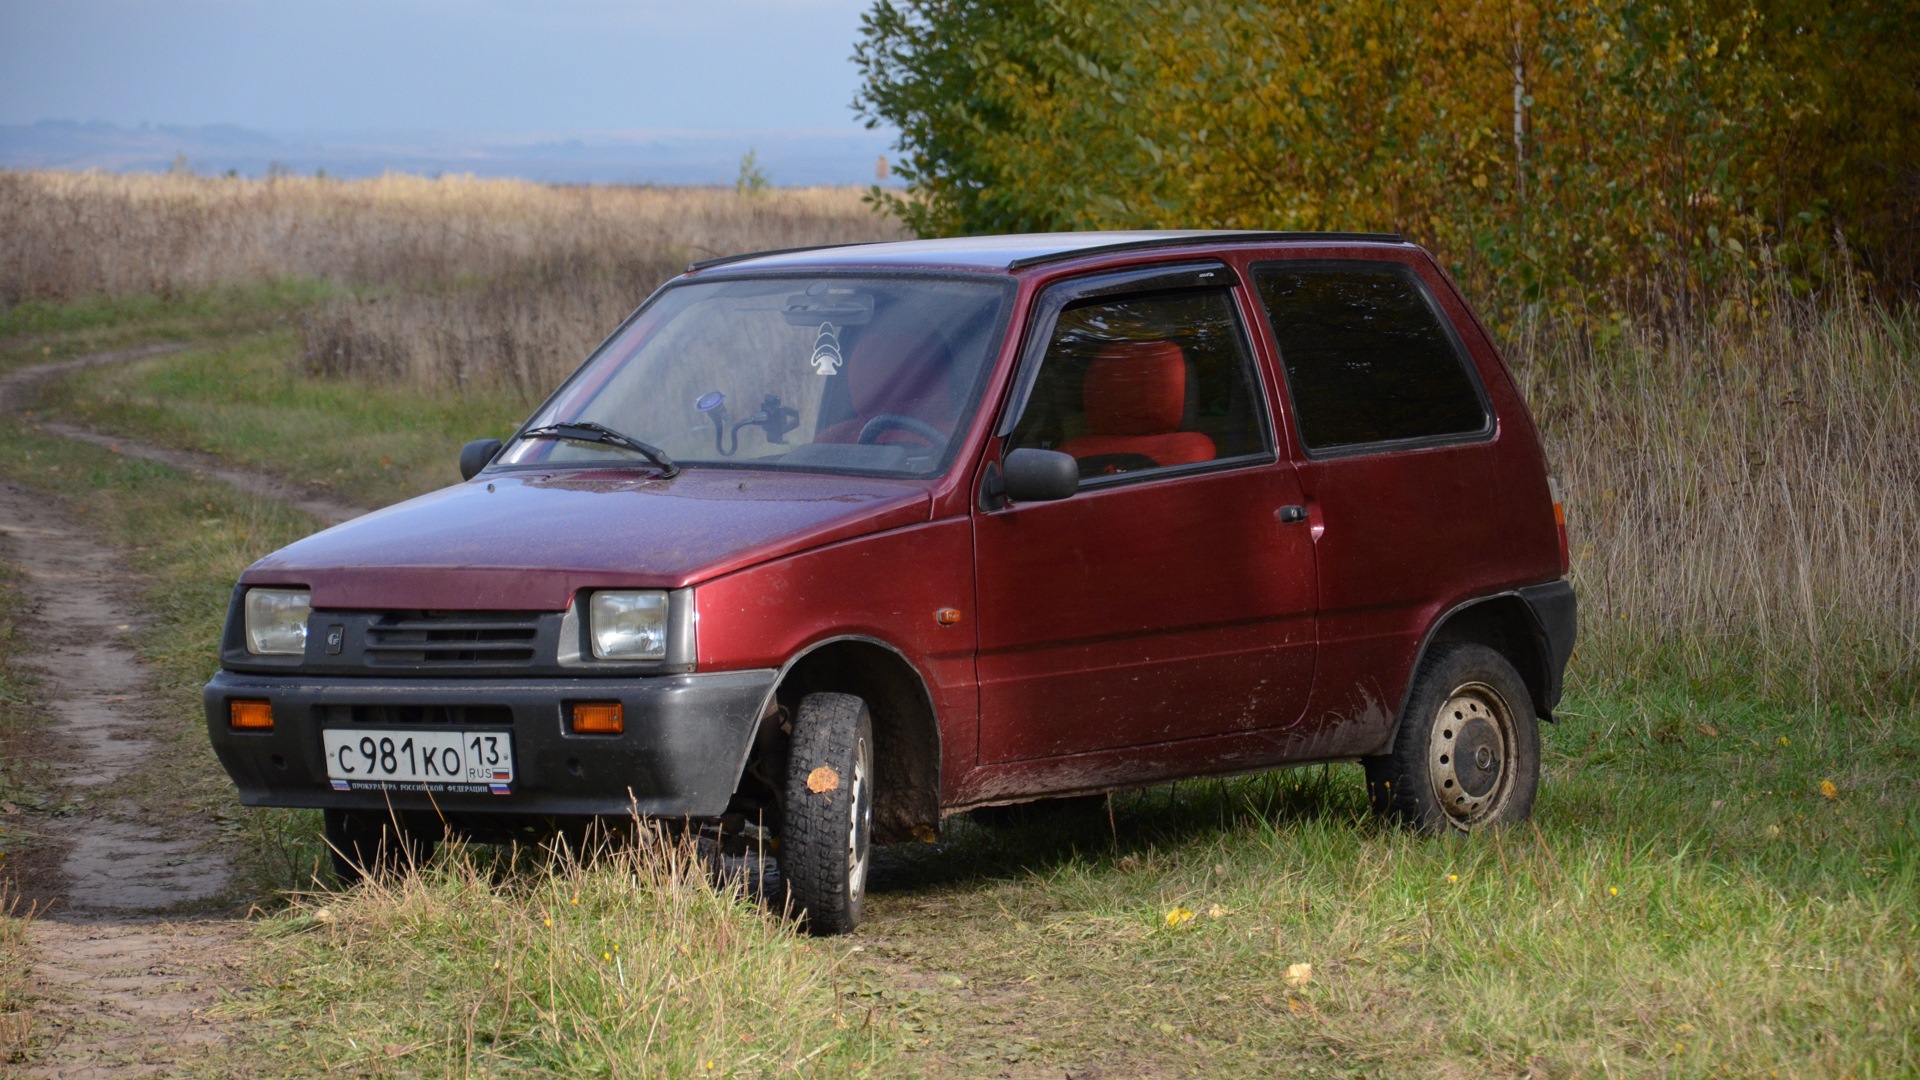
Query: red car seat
x,y
1136,397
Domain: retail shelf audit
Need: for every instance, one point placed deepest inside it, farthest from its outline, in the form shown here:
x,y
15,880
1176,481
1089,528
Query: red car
x,y
845,540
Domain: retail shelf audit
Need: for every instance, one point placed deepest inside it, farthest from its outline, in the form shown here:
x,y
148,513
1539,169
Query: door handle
x,y
1292,515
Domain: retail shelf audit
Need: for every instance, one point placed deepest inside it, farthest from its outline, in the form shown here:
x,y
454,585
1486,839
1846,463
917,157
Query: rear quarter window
x,y
1367,356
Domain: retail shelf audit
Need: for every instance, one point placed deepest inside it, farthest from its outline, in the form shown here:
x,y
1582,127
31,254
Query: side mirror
x,y
1029,475
476,455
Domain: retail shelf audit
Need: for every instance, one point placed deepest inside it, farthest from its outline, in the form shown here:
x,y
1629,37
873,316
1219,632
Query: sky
x,y
446,67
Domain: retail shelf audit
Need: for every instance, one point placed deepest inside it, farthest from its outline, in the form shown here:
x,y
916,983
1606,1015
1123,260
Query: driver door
x,y
1173,596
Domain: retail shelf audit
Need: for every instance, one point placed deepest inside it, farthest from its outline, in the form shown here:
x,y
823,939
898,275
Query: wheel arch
x,y
1509,624
906,729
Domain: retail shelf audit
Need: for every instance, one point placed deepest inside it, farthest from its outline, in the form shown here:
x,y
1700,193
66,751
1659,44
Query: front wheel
x,y
827,817
1468,753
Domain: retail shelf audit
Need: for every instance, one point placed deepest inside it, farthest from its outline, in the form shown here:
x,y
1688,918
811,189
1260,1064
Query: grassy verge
x,y
630,963
238,397
36,332
1689,904
20,789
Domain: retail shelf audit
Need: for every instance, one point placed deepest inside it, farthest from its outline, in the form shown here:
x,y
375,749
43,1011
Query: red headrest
x,y
901,373
1136,388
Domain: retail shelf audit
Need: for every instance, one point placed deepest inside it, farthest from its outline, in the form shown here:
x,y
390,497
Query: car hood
x,y
529,541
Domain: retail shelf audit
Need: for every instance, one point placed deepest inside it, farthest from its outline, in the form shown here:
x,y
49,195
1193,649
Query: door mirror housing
x,y
477,455
1030,475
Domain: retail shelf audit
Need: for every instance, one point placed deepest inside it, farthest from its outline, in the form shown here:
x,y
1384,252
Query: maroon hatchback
x,y
841,541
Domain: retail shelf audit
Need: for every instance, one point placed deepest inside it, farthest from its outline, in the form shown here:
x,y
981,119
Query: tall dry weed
x,y
69,235
449,280
1744,497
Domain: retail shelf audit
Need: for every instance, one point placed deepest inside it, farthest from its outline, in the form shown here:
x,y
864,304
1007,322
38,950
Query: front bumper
x,y
685,743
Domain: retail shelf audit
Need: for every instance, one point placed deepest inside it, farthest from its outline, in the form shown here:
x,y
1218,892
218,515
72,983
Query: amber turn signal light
x,y
598,718
250,715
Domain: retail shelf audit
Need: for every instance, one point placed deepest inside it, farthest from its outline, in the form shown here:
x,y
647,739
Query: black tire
x,y
1468,753
827,819
378,843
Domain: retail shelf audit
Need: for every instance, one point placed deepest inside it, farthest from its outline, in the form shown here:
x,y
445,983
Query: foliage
x,y
1572,155
753,176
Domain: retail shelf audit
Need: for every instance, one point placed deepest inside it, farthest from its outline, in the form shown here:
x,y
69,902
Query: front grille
x,y
389,715
451,640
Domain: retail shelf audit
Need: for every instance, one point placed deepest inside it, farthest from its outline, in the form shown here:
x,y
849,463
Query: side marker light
x,y
1560,524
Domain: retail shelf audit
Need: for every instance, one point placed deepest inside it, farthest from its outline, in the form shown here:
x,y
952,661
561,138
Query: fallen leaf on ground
x,y
1299,974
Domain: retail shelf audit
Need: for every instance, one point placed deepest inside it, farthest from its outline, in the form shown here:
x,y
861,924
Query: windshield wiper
x,y
588,431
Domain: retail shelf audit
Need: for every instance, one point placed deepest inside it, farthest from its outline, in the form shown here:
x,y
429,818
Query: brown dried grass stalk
x,y
68,235
1744,497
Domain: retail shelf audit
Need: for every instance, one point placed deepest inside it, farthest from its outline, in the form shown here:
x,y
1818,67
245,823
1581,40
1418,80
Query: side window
x,y
1366,356
1146,382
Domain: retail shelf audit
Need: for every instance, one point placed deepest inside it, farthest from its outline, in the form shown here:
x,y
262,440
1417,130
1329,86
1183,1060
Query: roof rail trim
x,y
1204,238
705,264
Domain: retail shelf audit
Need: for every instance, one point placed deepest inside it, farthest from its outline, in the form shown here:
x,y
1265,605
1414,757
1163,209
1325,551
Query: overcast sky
x,y
443,66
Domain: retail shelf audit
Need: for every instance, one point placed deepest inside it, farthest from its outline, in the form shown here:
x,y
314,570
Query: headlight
x,y
629,625
277,621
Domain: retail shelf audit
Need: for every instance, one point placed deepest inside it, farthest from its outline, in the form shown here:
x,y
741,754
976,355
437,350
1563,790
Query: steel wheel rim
x,y
860,811
1470,754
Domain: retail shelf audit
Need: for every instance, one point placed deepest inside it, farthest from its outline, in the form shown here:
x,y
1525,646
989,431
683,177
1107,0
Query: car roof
x,y
1015,251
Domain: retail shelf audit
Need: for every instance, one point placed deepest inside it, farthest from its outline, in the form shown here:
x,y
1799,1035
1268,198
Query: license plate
x,y
459,762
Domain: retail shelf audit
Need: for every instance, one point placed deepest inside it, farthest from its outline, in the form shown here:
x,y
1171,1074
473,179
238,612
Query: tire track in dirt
x,y
127,958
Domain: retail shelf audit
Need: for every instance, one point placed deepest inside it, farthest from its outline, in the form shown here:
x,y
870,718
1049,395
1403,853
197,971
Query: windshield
x,y
872,375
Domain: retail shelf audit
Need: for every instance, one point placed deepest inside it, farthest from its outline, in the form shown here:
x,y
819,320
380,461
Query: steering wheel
x,y
871,431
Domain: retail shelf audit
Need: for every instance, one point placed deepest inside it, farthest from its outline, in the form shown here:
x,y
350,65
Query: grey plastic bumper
x,y
685,742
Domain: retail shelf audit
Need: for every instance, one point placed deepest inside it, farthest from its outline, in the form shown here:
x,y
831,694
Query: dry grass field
x,y
437,281
1726,864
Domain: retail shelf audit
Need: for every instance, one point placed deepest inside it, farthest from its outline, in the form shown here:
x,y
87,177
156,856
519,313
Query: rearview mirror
x,y
1031,475
476,455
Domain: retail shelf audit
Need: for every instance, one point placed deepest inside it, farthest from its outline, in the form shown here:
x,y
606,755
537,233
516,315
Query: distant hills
x,y
786,158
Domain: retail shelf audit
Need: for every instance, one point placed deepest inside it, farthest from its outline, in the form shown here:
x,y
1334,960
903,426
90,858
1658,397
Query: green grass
x,y
630,963
1688,904
21,787
21,782
239,397
154,314
1692,901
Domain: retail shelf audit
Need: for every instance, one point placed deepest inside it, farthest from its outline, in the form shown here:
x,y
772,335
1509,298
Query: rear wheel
x,y
1468,753
827,817
378,843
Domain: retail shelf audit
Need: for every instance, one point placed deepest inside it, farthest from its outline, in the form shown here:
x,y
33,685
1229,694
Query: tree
x,y
1577,155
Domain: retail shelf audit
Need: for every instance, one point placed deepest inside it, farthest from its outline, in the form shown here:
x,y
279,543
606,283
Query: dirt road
x,y
126,955
134,938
